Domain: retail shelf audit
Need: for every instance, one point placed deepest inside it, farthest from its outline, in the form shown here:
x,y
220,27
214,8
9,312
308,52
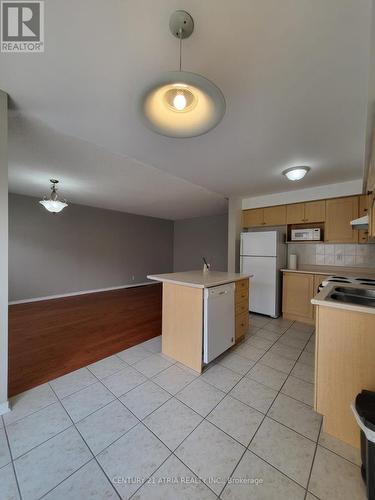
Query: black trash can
x,y
364,412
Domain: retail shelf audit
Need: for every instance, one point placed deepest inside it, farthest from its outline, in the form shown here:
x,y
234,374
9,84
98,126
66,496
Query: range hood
x,y
361,223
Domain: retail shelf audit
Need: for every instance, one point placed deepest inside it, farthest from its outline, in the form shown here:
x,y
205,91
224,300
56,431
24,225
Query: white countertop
x,y
199,279
321,299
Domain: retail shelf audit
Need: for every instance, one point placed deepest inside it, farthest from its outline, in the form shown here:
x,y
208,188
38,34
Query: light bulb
x,y
179,101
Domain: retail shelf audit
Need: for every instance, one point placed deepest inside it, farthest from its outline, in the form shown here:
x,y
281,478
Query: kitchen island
x,y
204,313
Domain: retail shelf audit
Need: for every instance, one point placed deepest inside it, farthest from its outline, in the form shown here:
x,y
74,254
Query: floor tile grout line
x,y
291,429
32,413
278,470
313,460
93,457
14,459
265,415
226,393
247,447
337,454
61,482
12,462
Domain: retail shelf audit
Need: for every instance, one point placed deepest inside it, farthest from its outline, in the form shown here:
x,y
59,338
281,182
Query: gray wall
x,y
206,236
3,252
82,248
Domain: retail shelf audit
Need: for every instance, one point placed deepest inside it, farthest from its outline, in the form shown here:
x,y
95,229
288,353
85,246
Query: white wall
x,y
3,253
308,194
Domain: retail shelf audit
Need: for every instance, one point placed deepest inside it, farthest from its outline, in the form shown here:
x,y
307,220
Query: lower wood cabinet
x,y
298,290
241,304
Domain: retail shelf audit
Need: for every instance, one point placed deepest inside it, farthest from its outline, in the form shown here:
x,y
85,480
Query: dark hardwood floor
x,y
50,338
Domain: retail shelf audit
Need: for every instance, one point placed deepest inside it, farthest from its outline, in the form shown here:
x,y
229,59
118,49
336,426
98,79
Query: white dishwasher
x,y
218,331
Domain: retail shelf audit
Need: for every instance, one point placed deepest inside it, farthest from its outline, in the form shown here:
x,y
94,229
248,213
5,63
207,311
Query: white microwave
x,y
305,234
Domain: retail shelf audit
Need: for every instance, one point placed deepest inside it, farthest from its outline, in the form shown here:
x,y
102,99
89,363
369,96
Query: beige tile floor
x,y
138,425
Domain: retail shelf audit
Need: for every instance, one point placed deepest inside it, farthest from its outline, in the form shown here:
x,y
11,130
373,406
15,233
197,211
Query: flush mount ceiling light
x,y
182,104
296,173
53,204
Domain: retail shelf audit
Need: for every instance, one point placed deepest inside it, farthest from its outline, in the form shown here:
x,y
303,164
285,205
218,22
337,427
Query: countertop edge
x,y
321,299
305,271
198,285
345,307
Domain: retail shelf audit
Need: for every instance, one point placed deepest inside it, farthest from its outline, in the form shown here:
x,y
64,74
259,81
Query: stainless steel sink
x,y
362,292
349,295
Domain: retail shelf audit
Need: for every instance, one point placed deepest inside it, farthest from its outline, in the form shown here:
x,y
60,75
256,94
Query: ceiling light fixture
x,y
53,204
180,103
296,173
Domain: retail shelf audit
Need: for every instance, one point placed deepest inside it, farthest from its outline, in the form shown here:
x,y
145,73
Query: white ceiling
x,y
294,74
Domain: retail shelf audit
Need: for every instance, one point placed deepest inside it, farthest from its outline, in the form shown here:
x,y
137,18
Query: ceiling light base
x,y
181,24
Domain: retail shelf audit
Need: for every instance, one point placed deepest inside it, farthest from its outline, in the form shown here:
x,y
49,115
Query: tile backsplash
x,y
333,255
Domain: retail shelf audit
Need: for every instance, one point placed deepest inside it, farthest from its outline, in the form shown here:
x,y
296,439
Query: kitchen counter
x,y
335,270
199,279
321,299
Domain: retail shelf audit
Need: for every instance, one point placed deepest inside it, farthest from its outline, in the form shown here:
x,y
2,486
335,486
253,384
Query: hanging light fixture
x,y
53,204
180,103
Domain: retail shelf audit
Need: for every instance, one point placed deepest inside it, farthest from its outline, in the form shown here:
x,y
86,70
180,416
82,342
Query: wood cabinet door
x,y
339,213
363,234
295,213
275,216
252,217
315,211
298,290
371,215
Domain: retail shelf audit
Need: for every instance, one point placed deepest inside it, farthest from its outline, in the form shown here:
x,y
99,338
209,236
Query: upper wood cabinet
x,y
275,216
269,216
311,211
371,216
295,213
339,213
363,234
315,211
253,217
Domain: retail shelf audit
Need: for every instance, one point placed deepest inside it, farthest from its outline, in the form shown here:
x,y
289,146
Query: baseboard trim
x,y
61,296
4,407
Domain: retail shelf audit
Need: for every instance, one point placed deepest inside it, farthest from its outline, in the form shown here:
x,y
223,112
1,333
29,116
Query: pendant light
x,y
53,204
180,103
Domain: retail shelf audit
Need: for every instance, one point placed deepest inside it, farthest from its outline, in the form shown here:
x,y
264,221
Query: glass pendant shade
x,y
182,104
54,206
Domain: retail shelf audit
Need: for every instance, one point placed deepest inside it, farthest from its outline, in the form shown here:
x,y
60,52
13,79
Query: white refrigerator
x,y
263,254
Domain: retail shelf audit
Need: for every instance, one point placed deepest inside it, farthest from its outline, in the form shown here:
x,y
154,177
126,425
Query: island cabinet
x,y
298,290
311,211
241,302
339,213
203,314
268,216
